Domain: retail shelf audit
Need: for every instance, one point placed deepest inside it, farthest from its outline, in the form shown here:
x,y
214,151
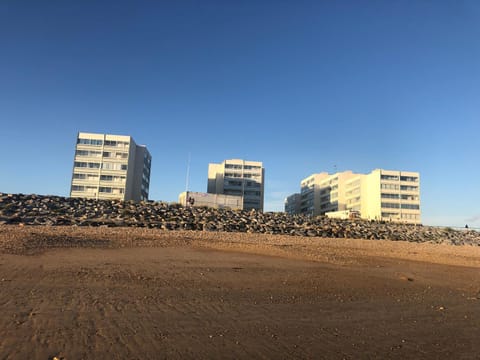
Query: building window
x,y
390,215
233,166
410,216
408,188
90,153
389,177
233,192
105,189
121,155
112,178
113,166
233,183
114,143
409,178
390,196
87,165
78,188
108,166
389,186
390,206
411,206
93,142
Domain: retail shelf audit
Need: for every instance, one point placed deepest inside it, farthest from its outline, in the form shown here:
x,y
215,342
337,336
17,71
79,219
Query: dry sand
x,y
102,293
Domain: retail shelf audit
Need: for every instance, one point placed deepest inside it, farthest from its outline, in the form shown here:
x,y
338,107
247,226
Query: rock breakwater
x,y
56,210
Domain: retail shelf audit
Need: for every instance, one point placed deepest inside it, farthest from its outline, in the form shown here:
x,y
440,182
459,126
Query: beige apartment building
x,y
386,195
240,178
321,193
380,195
110,167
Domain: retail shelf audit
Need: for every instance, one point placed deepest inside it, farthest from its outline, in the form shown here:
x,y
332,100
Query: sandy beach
x,y
124,293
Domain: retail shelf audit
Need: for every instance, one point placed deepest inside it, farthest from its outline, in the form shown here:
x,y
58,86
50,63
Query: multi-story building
x,y
240,178
385,195
110,167
292,204
380,195
320,193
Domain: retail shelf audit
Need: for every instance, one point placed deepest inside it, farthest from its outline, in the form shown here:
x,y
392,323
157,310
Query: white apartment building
x,y
321,193
238,177
386,195
381,195
110,167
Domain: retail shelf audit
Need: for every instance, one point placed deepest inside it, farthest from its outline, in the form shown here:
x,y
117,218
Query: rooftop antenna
x,y
188,172
334,168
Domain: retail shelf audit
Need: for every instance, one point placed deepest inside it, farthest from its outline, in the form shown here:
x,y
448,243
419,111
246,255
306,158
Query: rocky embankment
x,y
55,210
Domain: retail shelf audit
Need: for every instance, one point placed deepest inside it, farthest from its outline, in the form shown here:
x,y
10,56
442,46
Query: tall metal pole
x,y
188,172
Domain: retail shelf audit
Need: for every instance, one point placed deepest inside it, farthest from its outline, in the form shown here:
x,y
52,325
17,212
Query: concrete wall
x,y
216,201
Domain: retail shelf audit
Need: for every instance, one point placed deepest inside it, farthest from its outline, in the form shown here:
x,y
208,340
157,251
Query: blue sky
x,y
304,86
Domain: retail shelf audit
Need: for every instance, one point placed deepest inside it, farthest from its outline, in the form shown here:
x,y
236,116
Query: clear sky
x,y
304,86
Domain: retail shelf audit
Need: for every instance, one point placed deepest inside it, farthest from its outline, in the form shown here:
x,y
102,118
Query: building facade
x,y
239,178
386,195
383,195
321,193
110,167
292,204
